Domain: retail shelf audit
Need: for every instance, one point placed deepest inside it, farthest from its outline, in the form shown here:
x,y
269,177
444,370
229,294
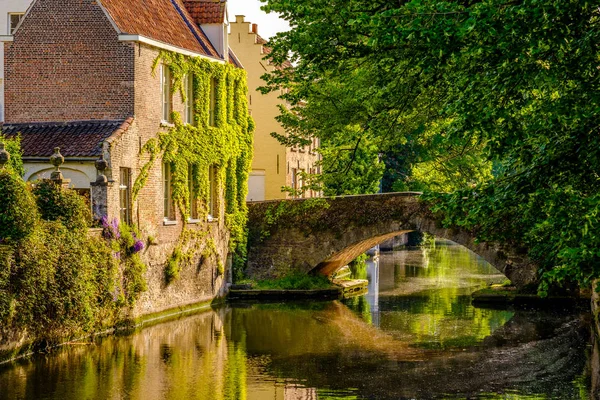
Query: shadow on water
x,y
415,336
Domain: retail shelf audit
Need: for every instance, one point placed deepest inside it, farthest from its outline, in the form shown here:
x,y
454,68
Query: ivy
x,y
226,145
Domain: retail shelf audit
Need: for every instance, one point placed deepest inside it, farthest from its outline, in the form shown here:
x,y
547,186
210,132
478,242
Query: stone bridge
x,y
323,235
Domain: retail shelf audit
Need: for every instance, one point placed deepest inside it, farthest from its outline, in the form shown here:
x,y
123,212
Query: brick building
x,y
274,165
11,12
81,75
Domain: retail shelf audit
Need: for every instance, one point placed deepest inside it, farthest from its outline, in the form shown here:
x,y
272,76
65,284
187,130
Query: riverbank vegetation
x,y
492,107
56,280
293,281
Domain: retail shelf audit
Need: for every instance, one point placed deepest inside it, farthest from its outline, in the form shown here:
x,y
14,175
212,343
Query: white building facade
x,y
11,12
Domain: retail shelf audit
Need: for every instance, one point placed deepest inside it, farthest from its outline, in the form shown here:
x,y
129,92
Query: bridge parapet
x,y
322,235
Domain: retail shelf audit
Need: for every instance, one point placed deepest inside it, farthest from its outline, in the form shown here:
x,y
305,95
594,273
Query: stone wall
x,y
323,235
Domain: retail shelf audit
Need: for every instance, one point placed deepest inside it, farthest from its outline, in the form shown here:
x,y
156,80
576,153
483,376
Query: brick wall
x,y
199,280
81,71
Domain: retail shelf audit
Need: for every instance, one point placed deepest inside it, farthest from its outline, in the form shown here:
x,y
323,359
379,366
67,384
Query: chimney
x,y
255,28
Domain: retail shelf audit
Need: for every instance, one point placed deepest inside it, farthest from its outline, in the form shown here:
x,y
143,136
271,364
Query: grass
x,y
296,281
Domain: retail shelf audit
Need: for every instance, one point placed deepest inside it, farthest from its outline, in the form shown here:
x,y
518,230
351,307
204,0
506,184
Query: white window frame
x,y
188,87
213,197
165,93
12,30
167,181
193,218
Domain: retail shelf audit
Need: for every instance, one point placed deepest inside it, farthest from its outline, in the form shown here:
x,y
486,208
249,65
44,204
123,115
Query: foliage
x,y
349,170
58,204
295,281
173,266
18,212
55,279
194,148
358,267
516,82
62,282
13,146
360,260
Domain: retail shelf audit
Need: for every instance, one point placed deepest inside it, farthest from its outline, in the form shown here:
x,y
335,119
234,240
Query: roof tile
x,y
207,11
166,21
75,139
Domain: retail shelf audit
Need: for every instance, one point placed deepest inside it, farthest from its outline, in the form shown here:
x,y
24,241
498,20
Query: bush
x,y
58,204
18,211
6,298
56,280
15,164
63,281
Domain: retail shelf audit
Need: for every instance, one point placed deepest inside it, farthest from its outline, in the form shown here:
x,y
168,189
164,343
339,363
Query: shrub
x,y
15,164
63,280
58,204
18,211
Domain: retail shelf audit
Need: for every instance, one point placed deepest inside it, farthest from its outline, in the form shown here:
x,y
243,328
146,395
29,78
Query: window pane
x,y
14,22
193,197
167,203
212,203
125,195
165,77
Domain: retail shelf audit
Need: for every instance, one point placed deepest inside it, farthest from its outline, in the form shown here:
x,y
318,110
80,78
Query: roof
x,y
207,11
166,21
234,60
75,139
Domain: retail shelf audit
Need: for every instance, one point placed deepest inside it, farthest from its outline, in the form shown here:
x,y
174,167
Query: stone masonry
x,y
326,237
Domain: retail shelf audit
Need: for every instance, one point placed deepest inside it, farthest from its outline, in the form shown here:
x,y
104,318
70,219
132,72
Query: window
x,y
294,181
167,197
213,194
188,88
13,22
193,194
301,182
212,113
125,195
165,92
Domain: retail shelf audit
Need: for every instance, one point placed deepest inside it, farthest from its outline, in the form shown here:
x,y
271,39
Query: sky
x,y
268,24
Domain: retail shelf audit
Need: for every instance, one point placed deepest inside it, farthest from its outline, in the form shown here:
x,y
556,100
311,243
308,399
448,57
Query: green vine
x,y
226,145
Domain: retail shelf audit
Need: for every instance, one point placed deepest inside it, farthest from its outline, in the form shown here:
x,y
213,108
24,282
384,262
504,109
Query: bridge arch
x,y
323,235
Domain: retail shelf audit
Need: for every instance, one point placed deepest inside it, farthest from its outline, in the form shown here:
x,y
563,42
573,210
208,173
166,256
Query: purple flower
x,y
114,225
118,255
138,246
107,231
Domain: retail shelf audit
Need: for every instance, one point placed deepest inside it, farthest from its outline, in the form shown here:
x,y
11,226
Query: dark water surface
x,y
414,336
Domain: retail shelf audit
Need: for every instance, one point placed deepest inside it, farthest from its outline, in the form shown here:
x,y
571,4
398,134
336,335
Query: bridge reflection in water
x,y
416,337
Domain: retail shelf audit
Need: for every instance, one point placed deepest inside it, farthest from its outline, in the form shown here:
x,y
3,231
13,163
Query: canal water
x,y
414,336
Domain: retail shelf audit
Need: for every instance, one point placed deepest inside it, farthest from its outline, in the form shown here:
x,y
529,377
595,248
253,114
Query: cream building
x,y
11,12
274,165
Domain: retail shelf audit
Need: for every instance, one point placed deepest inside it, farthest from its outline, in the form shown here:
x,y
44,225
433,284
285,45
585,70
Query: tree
x,y
515,81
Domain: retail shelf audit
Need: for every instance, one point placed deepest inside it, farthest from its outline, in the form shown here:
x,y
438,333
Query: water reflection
x,y
422,295
415,335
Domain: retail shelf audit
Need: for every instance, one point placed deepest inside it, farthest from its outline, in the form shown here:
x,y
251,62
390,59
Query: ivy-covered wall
x,y
187,260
